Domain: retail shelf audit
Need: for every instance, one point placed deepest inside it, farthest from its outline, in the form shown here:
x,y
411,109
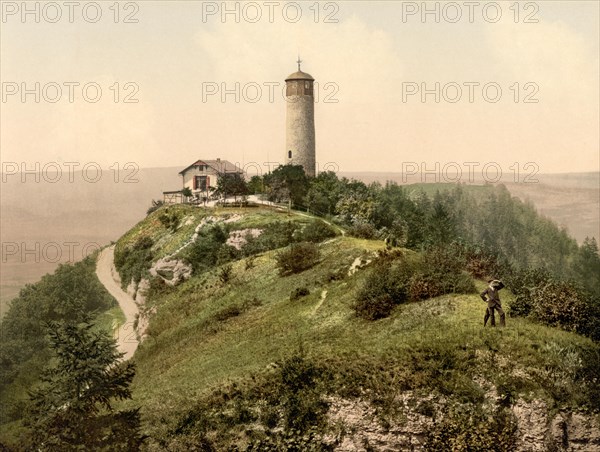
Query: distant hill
x,y
572,200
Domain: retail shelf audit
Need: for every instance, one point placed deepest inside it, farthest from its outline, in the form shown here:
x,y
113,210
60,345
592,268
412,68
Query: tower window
x,y
289,154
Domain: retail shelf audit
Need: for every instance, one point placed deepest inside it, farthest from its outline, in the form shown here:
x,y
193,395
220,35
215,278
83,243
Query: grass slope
x,y
206,334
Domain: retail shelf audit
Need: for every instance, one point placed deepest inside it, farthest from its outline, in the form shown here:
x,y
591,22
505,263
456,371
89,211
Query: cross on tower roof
x,y
299,61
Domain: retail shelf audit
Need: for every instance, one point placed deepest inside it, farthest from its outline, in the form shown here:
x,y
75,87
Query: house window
x,y
289,154
201,183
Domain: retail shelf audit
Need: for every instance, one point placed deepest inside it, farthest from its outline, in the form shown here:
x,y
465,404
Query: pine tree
x,y
72,409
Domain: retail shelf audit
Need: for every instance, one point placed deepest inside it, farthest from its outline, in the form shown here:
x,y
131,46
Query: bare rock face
x,y
365,431
132,289
358,263
532,421
171,271
143,317
238,239
537,431
565,432
142,289
574,432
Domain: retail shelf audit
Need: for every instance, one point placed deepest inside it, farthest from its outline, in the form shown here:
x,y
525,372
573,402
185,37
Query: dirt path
x,y
108,276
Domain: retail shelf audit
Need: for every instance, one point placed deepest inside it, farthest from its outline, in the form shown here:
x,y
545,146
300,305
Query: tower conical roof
x,y
299,75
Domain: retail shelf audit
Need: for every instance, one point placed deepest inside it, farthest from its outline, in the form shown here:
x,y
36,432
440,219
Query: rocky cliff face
x,y
537,428
564,431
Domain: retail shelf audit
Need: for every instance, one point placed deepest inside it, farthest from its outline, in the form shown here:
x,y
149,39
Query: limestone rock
x,y
532,421
567,431
172,271
237,239
365,431
142,289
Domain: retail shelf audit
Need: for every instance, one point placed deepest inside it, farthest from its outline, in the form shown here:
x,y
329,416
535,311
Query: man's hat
x,y
497,283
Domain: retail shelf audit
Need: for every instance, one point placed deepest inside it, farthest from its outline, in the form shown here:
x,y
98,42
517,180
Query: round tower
x,y
300,121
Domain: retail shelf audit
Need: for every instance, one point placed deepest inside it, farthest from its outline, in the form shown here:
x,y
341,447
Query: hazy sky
x,y
369,57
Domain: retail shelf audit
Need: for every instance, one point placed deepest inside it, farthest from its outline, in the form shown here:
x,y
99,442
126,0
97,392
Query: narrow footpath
x,y
107,274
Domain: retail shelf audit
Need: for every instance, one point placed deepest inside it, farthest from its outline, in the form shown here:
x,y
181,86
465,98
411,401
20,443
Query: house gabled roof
x,y
220,166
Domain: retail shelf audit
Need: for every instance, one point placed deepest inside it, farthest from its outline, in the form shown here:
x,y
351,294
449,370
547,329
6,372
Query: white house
x,y
201,177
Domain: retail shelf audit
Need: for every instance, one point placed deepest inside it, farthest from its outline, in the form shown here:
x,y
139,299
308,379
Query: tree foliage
x,y
394,279
287,183
72,292
297,258
72,408
133,261
232,184
324,193
498,234
208,249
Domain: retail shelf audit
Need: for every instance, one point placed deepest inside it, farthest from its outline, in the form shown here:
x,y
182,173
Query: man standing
x,y
491,296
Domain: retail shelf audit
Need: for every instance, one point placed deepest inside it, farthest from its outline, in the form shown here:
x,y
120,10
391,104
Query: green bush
x,y
552,302
372,307
385,287
281,410
336,274
564,305
236,309
297,258
170,219
291,441
227,313
521,284
422,287
298,293
440,272
209,249
225,273
298,394
275,235
317,231
132,262
250,263
157,288
363,231
283,233
394,280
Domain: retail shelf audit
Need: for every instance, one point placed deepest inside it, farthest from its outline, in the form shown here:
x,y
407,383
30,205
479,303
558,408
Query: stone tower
x,y
300,121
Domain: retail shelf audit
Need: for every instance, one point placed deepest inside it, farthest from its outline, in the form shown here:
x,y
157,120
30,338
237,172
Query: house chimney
x,y
218,159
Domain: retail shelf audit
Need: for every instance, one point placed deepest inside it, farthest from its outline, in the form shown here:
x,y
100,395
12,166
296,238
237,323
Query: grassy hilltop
x,y
238,361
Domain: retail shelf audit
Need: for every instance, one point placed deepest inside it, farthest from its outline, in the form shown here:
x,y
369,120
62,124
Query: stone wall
x,y
300,132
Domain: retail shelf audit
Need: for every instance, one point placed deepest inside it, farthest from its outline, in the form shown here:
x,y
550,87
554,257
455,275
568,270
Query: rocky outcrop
x,y
364,431
537,429
137,292
206,221
171,271
564,432
359,262
239,238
